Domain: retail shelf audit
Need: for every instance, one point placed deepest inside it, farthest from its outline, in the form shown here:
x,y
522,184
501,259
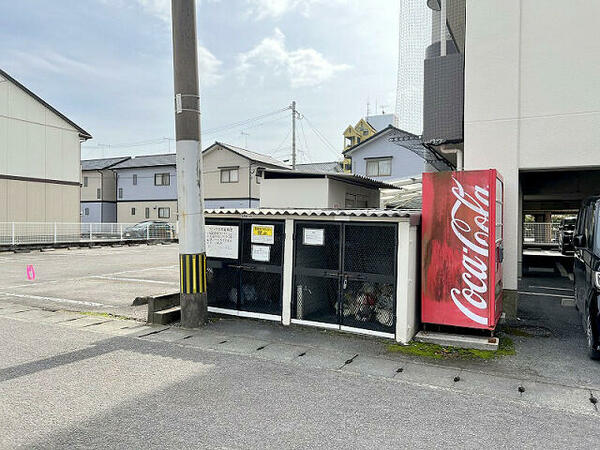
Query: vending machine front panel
x,y
462,250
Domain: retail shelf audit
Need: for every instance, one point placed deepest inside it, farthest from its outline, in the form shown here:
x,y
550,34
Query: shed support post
x,y
406,289
288,262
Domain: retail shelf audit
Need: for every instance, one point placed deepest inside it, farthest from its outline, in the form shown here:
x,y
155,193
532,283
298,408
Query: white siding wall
x,y
294,193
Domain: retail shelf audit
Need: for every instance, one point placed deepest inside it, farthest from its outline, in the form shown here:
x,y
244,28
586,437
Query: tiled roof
x,y
327,167
253,156
101,163
147,161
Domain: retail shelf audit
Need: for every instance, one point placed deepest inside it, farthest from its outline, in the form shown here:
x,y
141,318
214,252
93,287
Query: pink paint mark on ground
x,y
30,272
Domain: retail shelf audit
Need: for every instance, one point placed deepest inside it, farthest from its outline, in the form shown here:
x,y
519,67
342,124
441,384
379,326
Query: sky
x,y
107,65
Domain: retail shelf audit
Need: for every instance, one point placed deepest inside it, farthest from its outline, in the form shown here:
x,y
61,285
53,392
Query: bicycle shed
x,y
353,270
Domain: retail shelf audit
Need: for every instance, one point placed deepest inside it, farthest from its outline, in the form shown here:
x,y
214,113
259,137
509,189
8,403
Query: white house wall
x,y
294,193
532,94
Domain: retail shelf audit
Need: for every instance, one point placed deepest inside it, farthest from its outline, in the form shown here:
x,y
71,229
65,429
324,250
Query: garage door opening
x,y
549,200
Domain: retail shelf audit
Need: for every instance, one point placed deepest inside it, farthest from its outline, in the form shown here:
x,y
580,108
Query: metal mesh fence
x,y
348,280
540,233
28,233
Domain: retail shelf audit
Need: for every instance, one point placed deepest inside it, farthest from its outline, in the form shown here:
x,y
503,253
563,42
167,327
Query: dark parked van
x,y
586,270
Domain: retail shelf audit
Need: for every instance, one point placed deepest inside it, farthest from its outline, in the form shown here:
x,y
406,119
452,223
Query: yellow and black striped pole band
x,y
192,270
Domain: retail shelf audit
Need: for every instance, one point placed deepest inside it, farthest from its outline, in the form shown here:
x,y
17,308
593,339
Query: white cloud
x,y
157,8
304,67
50,61
262,9
208,66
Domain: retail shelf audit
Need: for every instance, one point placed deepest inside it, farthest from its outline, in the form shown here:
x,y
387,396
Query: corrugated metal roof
x,y
147,161
315,212
101,163
258,157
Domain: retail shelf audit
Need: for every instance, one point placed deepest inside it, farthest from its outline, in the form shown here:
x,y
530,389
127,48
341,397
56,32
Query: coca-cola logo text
x,y
471,299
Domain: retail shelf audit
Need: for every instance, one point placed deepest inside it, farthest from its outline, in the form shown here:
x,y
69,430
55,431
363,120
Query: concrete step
x,y
458,340
166,316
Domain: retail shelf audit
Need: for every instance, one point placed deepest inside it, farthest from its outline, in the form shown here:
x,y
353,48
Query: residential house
x,y
379,158
283,189
99,190
355,134
233,176
40,151
146,188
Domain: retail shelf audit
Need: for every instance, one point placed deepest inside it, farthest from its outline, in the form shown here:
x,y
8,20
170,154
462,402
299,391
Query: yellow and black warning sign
x,y
263,234
192,270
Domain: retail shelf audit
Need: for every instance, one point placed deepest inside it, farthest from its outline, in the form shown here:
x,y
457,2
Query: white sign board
x,y
221,241
263,234
313,236
261,253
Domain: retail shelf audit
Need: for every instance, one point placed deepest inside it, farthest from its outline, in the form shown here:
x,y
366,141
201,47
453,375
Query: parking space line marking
x,y
55,299
550,287
90,276
141,280
543,294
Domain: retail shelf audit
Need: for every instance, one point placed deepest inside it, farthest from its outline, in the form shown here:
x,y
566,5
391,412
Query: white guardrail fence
x,y
28,233
540,233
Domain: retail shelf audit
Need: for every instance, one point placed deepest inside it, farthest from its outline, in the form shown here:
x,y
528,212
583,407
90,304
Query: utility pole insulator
x,y
192,245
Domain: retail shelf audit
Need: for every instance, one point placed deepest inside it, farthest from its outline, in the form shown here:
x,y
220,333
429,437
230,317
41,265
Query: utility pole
x,y
192,245
293,135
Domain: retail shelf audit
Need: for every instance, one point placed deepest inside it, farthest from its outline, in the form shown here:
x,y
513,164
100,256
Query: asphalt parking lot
x,y
103,279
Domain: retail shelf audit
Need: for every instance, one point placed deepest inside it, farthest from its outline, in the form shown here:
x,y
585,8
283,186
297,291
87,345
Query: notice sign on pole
x,y
263,234
222,241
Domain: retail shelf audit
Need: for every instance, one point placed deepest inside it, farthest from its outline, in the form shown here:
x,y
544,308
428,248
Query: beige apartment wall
x,y
212,162
104,180
27,201
124,211
35,142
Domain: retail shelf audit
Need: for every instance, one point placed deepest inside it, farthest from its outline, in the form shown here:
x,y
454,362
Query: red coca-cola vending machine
x,y
462,248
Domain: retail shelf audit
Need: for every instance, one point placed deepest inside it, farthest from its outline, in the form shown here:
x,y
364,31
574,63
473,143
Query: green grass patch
x,y
506,347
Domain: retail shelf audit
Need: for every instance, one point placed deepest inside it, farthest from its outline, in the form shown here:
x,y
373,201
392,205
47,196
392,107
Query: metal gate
x,y
251,283
345,276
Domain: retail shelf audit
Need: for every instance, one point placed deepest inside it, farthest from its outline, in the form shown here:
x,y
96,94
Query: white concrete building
x,y
40,152
283,189
531,103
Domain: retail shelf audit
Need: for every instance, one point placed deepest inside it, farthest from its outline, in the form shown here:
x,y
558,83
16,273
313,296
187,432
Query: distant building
x,y
40,152
328,167
378,158
284,189
147,189
233,176
99,190
363,130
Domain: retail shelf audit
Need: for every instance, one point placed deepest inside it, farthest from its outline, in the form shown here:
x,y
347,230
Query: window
x,y
164,213
86,211
120,192
147,213
162,179
85,181
134,179
230,175
379,167
98,193
133,211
